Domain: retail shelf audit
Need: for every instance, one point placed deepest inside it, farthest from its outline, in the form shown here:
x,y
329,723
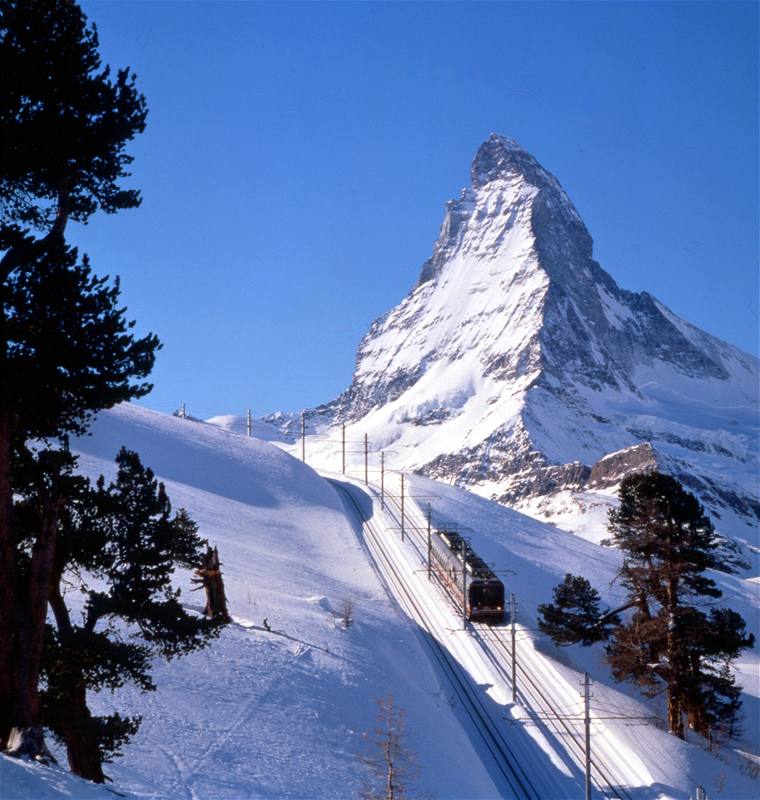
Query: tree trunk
x,y
675,665
78,728
675,712
29,741
8,576
210,576
31,635
80,735
696,709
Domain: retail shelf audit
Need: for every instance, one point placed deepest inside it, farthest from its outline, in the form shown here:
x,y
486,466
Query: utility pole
x,y
303,437
587,727
344,448
382,479
464,586
430,540
366,457
402,506
248,422
513,625
182,410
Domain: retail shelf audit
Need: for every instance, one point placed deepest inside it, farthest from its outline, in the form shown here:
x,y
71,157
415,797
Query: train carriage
x,y
463,573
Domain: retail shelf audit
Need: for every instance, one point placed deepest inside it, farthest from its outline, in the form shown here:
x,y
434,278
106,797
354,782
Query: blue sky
x,y
298,157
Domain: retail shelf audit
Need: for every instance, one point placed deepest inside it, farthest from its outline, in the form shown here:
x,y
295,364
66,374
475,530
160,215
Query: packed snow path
x,y
535,745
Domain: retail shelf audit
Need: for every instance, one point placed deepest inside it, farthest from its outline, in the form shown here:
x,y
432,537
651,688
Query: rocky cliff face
x,y
516,365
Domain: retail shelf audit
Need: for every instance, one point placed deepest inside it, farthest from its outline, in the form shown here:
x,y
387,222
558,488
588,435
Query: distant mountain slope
x,y
516,365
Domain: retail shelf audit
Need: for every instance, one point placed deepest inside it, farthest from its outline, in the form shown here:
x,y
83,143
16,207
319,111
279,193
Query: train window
x,y
492,596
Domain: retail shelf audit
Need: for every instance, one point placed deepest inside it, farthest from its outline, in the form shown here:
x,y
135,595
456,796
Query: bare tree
x,y
393,767
209,576
345,613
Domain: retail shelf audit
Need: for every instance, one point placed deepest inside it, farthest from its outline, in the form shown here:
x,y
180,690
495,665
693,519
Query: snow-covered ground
x,y
259,714
282,714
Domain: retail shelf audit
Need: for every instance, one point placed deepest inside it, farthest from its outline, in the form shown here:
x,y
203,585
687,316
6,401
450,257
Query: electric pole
x,y
303,437
402,506
587,727
366,458
344,447
182,410
382,479
430,540
513,625
248,422
464,586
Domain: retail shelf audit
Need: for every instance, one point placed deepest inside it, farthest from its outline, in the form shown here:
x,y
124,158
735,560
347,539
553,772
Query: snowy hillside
x,y
516,367
278,714
281,713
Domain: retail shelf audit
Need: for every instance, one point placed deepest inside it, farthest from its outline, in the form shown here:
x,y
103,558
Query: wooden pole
x,y
248,422
382,480
429,540
513,626
402,506
587,730
464,587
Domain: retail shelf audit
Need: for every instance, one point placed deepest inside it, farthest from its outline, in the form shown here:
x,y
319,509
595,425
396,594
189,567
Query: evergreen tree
x,y
574,616
670,644
66,350
124,539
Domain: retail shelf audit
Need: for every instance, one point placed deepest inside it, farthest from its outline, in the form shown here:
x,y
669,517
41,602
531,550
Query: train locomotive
x,y
450,554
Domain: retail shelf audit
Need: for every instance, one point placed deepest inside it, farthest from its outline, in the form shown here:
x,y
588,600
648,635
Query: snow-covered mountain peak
x,y
517,363
509,189
500,158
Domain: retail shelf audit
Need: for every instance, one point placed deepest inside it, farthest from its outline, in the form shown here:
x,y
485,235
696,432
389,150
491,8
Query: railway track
x,y
507,766
536,699
542,707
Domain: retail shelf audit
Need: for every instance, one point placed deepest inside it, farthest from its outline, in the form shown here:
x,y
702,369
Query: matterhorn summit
x,y
518,368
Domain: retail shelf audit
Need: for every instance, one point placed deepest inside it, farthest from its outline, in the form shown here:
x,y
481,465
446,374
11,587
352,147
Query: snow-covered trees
x,y
672,642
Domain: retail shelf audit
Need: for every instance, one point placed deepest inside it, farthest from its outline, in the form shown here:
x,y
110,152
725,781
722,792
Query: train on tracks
x,y
466,577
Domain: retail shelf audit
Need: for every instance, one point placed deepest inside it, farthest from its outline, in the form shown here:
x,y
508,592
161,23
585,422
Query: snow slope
x,y
534,557
277,714
281,714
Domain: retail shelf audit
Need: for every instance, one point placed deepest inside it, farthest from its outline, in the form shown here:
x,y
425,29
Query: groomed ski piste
x,y
284,713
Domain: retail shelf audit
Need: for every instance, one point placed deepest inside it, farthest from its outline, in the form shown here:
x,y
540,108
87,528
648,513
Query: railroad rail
x,y
507,764
533,697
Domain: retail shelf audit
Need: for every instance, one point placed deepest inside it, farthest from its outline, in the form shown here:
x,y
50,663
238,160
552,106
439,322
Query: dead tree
x,y
345,613
393,767
209,578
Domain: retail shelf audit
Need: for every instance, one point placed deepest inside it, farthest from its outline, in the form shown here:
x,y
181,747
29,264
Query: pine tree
x,y
123,539
670,644
574,616
66,350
